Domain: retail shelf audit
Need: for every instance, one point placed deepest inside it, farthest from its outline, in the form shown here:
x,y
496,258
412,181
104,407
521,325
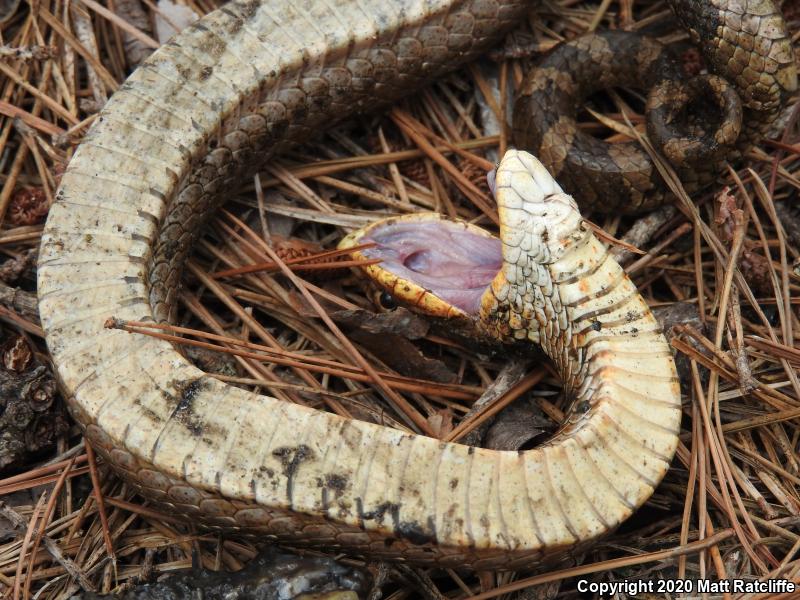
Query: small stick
x,y
98,495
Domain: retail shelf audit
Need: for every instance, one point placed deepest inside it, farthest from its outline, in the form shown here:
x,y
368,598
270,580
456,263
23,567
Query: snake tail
x,y
697,124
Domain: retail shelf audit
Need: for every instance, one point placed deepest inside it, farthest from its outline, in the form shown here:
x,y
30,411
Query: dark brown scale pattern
x,y
744,42
545,118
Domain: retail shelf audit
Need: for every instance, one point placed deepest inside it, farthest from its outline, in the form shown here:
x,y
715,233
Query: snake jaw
x,y
430,264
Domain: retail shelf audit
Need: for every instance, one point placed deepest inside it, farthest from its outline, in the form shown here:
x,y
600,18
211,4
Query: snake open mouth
x,y
424,254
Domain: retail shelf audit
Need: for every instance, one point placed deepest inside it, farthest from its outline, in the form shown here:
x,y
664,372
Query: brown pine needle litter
x,y
270,305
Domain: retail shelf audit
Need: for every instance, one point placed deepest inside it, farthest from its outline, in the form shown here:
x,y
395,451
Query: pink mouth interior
x,y
443,257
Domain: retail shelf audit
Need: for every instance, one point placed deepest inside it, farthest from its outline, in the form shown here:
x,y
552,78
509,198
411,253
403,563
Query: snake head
x,y
456,271
539,223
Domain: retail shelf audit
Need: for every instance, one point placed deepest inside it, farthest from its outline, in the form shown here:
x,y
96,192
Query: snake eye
x,y
386,301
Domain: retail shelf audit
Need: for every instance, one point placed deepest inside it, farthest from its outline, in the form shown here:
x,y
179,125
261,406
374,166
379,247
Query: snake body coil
x,y
206,109
749,54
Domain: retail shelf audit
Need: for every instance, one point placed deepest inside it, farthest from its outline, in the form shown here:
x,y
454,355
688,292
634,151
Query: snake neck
x,y
542,234
560,288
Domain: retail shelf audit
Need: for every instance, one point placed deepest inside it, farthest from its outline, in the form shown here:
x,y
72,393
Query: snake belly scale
x,y
203,112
